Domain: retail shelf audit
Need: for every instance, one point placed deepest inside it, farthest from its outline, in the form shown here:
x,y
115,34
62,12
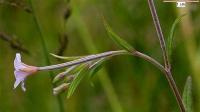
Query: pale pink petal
x,y
22,71
17,62
19,76
17,82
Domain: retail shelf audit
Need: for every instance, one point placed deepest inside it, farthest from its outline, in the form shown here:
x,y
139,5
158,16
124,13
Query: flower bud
x,y
61,88
70,78
63,74
59,77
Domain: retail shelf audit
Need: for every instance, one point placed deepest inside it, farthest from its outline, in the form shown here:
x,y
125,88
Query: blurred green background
x,y
126,84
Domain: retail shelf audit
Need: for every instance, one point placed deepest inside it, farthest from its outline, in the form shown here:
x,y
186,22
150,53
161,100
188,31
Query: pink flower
x,y
22,71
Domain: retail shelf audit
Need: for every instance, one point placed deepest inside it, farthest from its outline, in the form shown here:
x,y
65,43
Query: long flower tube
x,y
22,71
83,60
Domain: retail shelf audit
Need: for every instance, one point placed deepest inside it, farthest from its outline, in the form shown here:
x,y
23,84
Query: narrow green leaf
x,y
171,35
69,58
117,39
187,95
78,77
96,67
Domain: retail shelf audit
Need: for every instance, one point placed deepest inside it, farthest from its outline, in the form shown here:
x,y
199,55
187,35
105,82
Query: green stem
x,y
159,33
149,59
168,73
45,51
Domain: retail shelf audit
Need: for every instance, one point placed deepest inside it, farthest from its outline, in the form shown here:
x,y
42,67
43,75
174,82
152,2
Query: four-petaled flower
x,y
22,71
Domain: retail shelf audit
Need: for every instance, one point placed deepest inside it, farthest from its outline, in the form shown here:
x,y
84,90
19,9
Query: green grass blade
x,y
117,39
45,51
187,95
78,77
171,35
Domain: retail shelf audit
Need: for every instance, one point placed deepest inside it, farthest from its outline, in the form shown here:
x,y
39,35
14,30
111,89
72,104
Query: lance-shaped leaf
x,y
95,67
187,94
171,35
117,39
68,58
78,77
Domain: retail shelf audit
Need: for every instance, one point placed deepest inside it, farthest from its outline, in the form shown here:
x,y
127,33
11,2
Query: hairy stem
x,y
159,33
174,88
149,59
103,55
167,72
83,60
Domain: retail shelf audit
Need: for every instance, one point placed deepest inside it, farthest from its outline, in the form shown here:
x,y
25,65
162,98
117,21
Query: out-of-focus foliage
x,y
170,39
139,86
187,94
78,77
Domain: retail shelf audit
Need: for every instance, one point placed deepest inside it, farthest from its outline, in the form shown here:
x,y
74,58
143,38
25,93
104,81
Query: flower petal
x,y
23,86
17,62
22,71
20,77
17,82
